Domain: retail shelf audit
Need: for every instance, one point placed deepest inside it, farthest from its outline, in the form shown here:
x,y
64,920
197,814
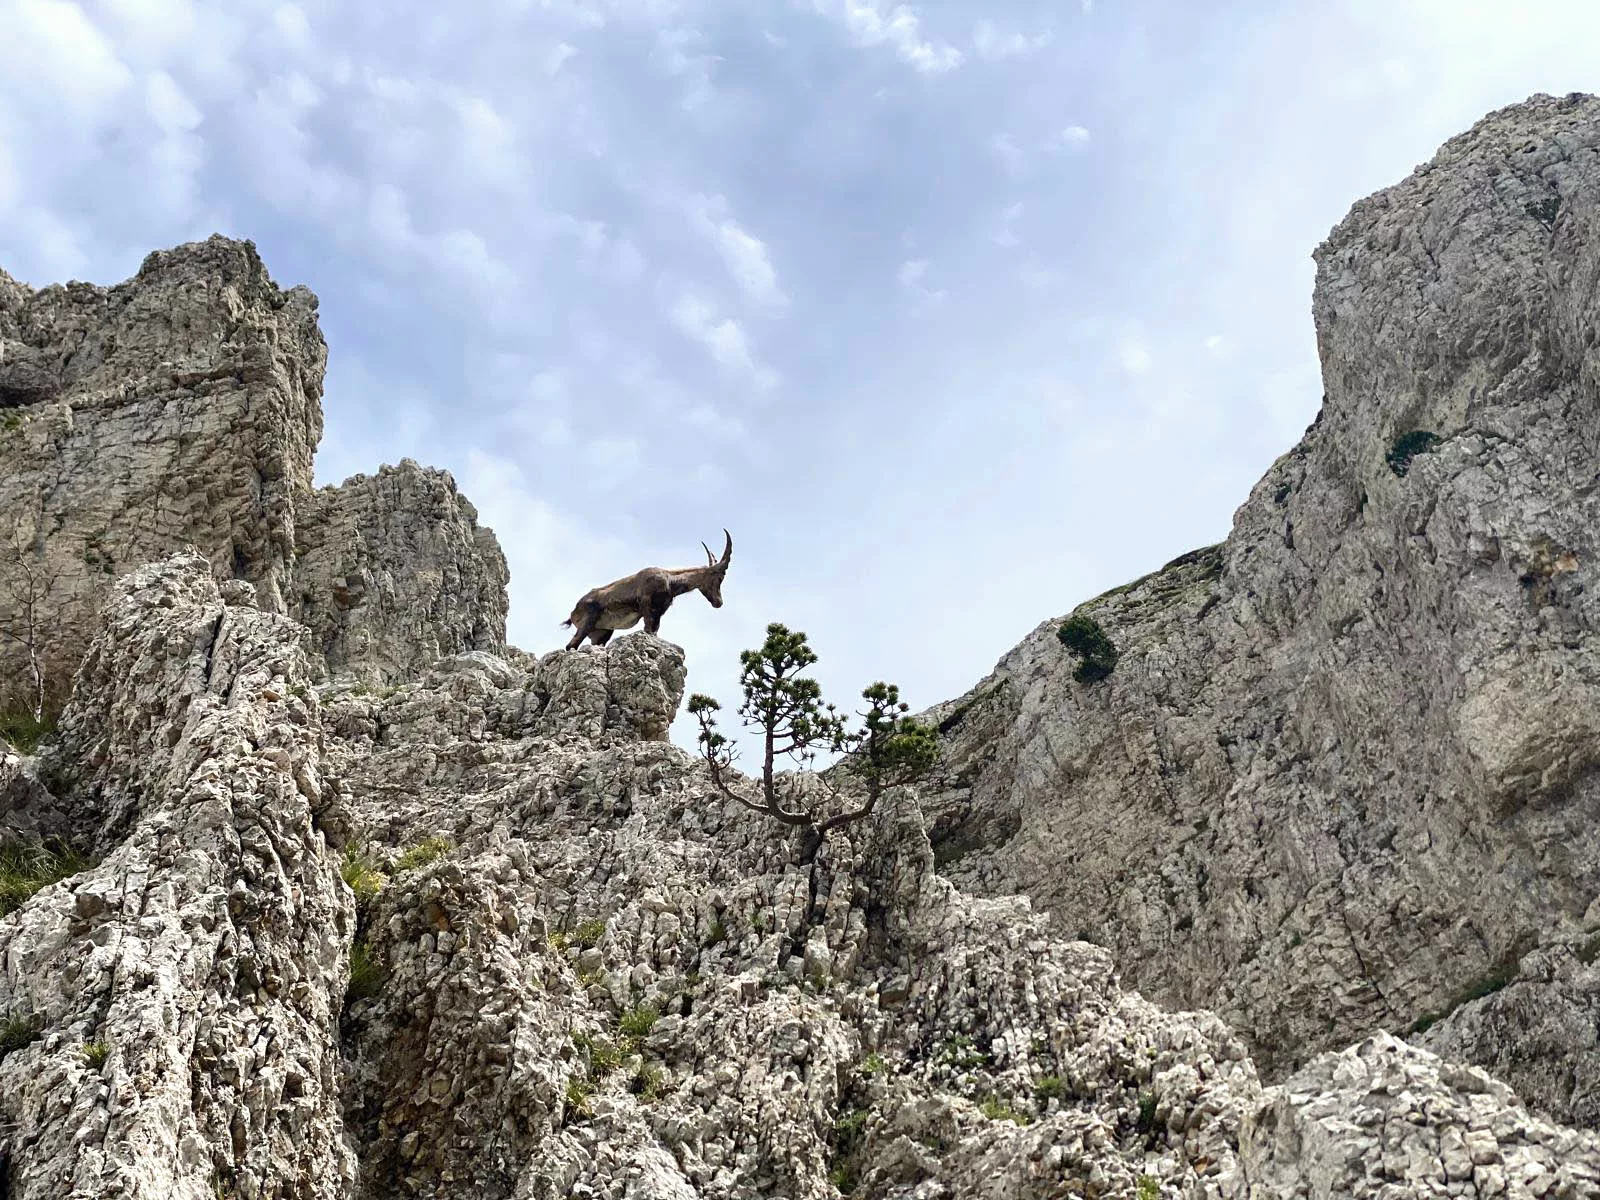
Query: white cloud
x,y
291,23
869,24
611,461
558,56
911,275
993,45
1004,234
169,107
744,254
677,51
54,47
723,338
1004,147
1134,356
1073,137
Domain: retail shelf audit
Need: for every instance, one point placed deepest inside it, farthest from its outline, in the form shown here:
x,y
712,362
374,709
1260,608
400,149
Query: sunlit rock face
x,y
1343,773
182,409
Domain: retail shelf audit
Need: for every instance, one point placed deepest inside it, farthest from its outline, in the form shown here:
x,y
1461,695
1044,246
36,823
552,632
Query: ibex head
x,y
715,569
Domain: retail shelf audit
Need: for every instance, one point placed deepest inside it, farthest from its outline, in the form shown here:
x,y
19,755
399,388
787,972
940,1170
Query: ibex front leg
x,y
654,607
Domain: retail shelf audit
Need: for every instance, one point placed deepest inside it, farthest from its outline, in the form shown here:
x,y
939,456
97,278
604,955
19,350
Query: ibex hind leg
x,y
582,628
600,636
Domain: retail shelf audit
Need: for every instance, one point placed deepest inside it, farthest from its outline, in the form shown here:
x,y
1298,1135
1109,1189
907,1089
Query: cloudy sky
x,y
955,313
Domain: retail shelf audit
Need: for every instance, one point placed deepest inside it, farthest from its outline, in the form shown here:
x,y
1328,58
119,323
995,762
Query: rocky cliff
x,y
1342,775
488,934
312,896
392,572
183,408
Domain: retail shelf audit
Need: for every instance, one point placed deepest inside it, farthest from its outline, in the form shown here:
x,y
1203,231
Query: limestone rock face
x,y
489,934
393,572
182,409
172,1011
1344,769
179,408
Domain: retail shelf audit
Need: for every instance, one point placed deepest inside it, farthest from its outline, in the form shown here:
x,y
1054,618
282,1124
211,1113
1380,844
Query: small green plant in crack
x,y
639,1021
1098,654
1149,1188
997,1109
647,1083
580,1094
874,1064
26,868
19,1029
423,853
960,1052
367,975
718,933
359,868
602,1053
1146,1121
96,1053
26,730
1051,1087
1407,446
589,933
1497,978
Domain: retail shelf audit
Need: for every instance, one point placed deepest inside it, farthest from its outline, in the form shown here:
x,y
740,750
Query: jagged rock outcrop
x,y
170,1016
179,408
1343,772
574,971
182,408
392,573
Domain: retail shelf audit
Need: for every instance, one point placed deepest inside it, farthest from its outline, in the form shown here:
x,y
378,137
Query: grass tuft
x,y
423,853
96,1053
638,1022
367,975
25,868
17,1030
359,868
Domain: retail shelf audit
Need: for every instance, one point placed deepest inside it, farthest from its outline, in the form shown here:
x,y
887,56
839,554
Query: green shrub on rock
x,y
1084,637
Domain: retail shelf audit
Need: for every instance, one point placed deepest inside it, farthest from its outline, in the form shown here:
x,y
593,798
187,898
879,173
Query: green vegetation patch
x,y
19,1029
998,1110
25,868
638,1022
1407,446
367,975
25,731
423,853
96,1053
1488,985
1083,636
359,868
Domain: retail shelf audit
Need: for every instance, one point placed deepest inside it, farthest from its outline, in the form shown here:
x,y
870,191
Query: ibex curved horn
x,y
711,559
727,552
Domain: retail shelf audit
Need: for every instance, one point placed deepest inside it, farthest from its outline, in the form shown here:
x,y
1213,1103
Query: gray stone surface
x,y
179,408
572,970
182,409
1344,770
392,572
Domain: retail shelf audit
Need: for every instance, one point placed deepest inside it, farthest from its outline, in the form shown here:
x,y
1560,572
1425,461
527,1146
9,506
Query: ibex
x,y
645,594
